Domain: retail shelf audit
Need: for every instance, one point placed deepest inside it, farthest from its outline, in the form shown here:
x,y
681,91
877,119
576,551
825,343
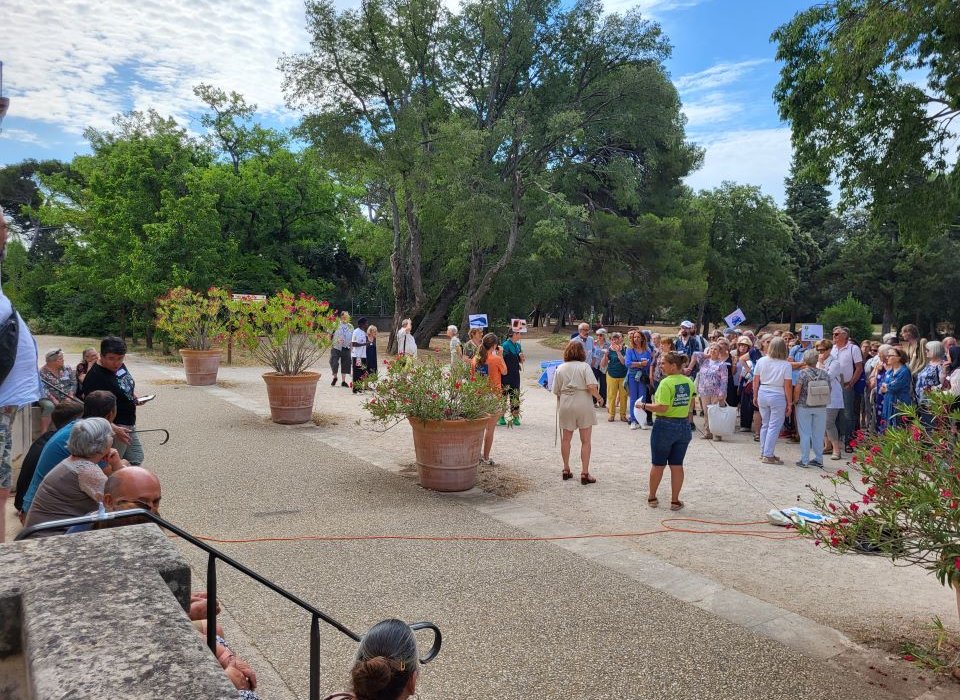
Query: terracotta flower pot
x,y
201,366
448,452
291,396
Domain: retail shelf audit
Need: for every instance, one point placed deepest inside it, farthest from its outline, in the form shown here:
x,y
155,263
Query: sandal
x,y
707,436
756,438
567,474
587,479
676,505
653,502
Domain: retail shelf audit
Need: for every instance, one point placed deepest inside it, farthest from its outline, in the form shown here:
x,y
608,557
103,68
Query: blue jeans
x,y
773,409
637,390
668,441
811,424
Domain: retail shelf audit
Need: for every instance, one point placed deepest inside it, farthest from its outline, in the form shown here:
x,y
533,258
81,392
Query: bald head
x,y
132,487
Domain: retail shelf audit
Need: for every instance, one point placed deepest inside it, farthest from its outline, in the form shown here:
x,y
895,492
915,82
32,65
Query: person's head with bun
x,y
387,663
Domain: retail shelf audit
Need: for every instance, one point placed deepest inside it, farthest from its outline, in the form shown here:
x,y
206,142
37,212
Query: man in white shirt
x,y
406,343
850,359
358,353
19,381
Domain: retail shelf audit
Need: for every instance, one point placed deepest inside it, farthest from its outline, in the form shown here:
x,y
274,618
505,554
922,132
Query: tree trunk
x,y
561,318
887,323
436,319
122,319
535,321
478,287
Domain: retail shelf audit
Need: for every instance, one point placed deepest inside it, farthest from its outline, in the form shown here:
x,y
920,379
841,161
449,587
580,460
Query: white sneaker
x,y
643,426
634,426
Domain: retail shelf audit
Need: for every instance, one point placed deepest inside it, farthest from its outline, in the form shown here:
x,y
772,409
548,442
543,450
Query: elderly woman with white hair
x,y
929,379
75,486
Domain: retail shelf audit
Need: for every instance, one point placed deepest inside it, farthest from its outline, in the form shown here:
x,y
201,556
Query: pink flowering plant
x,y
193,320
430,391
900,498
286,331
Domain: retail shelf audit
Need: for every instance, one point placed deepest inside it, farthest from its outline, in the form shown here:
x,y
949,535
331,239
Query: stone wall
x,y
101,615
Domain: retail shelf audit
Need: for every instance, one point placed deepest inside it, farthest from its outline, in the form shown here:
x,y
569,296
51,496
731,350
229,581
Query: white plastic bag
x,y
722,419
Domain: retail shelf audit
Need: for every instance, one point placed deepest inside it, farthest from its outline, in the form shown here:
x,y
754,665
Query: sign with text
x,y
249,297
811,331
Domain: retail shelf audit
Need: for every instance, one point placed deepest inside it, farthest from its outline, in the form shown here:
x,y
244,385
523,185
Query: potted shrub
x,y
288,332
195,322
447,408
901,497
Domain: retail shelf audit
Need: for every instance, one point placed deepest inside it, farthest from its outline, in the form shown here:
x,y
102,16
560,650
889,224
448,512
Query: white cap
x,y
687,324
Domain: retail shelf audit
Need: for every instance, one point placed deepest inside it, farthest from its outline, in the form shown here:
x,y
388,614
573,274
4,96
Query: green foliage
x,y
870,90
193,320
748,264
489,134
851,313
905,504
431,391
286,331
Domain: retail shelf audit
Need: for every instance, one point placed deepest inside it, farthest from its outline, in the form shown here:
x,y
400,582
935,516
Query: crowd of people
x,y
819,393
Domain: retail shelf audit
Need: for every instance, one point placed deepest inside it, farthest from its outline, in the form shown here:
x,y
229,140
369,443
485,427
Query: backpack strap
x,y
9,342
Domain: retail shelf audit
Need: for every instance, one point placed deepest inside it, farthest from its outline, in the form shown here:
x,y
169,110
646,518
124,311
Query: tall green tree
x,y
871,92
748,264
463,125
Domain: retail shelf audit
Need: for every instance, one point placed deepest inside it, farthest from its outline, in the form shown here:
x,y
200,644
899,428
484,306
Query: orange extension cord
x,y
666,528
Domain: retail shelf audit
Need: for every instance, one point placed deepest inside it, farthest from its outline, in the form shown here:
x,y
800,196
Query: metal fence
x,y
213,555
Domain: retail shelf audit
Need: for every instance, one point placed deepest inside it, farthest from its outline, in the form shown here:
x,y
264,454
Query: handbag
x,y
722,419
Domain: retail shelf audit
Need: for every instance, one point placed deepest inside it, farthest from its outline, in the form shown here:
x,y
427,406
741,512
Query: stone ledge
x,y
95,618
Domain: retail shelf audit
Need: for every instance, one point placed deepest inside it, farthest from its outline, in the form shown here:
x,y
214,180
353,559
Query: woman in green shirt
x,y
673,404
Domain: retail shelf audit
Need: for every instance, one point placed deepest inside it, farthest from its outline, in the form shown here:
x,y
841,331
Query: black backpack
x,y
9,340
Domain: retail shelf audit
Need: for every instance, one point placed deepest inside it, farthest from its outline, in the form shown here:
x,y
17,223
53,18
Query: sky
x,y
69,64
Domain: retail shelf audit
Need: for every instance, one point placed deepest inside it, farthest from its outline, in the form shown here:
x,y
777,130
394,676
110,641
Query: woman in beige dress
x,y
576,388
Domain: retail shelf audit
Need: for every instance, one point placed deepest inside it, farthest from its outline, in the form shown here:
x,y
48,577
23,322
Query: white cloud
x,y
712,108
22,136
649,7
77,63
717,75
750,157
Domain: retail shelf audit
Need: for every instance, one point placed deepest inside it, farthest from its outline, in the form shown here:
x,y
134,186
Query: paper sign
x,y
811,331
478,320
518,325
735,319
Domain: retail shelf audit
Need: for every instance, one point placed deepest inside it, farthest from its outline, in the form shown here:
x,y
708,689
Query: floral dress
x,y
712,378
927,378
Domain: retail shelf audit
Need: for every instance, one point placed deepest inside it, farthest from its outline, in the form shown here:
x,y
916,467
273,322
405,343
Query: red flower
x,y
866,500
956,563
859,435
854,507
909,657
872,492
868,459
853,443
853,459
946,493
832,506
864,480
916,434
875,449
955,504
842,473
834,542
816,543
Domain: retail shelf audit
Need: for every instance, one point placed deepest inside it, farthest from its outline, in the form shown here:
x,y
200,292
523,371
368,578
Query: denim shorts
x,y
669,440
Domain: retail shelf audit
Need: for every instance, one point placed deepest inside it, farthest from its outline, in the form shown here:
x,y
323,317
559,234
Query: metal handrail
x,y
213,555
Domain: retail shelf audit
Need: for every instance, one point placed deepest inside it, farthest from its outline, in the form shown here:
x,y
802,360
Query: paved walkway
x,y
669,615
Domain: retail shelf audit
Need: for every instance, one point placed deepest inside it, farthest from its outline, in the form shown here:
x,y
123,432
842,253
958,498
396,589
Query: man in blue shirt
x,y
96,404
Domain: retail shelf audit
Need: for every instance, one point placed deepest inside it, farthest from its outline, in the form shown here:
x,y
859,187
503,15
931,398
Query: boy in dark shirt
x,y
110,374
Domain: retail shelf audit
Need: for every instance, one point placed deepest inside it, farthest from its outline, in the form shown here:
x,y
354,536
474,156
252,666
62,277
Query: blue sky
x,y
73,63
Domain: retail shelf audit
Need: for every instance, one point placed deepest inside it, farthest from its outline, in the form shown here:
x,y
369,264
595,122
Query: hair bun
x,y
370,677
